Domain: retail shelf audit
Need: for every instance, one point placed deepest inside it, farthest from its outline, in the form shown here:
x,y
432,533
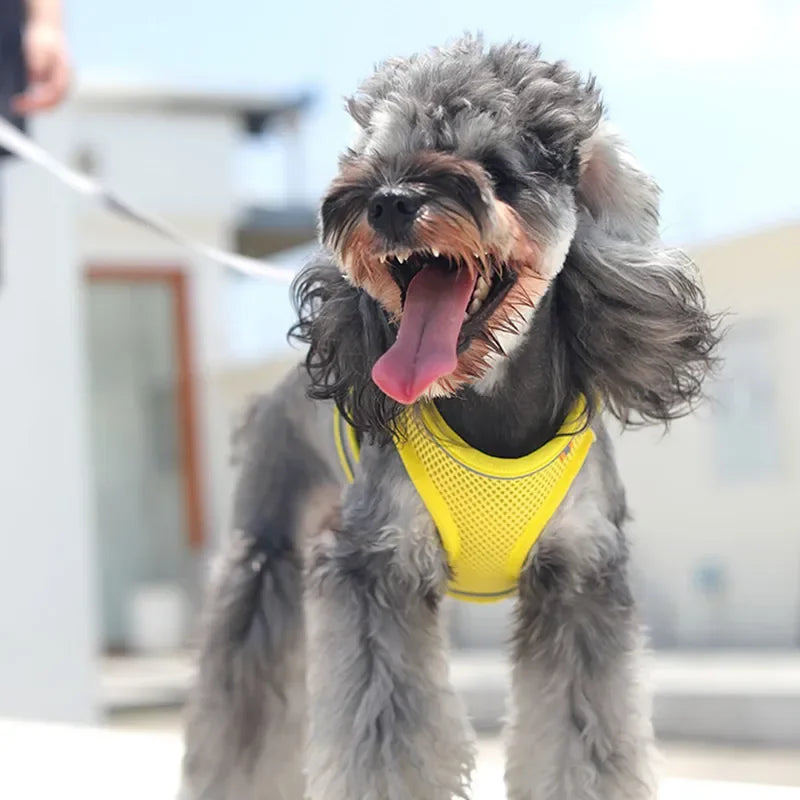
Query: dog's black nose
x,y
392,213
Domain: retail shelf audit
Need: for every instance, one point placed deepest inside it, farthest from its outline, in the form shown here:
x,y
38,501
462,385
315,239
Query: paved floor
x,y
137,756
680,760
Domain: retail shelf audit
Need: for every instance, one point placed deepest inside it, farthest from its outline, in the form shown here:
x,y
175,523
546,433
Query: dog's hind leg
x,y
246,715
580,726
385,723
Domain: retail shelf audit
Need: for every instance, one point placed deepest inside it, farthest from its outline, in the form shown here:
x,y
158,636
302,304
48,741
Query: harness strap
x,y
347,445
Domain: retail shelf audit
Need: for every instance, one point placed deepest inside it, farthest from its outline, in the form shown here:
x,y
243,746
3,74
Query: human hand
x,y
47,62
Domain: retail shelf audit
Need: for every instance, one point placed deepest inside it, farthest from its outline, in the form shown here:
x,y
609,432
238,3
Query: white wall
x,y
47,600
176,164
721,494
48,571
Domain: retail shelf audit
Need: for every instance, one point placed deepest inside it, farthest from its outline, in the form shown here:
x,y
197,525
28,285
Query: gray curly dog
x,y
489,249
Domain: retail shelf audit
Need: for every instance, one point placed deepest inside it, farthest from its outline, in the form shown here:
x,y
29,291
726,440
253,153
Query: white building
x,y
113,349
716,502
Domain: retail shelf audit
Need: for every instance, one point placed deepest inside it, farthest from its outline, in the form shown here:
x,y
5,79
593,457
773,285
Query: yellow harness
x,y
489,511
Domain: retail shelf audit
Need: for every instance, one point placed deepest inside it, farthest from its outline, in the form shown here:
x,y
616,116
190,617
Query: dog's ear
x,y
620,197
632,309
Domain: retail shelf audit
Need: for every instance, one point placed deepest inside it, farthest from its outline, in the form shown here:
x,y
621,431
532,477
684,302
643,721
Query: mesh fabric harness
x,y
489,511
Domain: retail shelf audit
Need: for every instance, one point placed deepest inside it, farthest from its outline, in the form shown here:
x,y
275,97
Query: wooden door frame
x,y
175,279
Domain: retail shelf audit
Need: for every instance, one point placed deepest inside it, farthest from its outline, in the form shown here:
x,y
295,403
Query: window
x,y
747,428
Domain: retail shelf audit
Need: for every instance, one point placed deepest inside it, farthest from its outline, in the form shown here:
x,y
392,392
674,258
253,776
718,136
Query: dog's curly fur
x,y
523,183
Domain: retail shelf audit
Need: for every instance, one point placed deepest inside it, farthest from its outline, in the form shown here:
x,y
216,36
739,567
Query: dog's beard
x,y
458,298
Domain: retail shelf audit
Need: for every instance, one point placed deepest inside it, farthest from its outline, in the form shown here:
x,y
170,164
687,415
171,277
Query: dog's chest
x,y
489,511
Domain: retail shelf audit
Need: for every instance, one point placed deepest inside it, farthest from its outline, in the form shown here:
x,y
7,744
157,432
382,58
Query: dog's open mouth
x,y
445,304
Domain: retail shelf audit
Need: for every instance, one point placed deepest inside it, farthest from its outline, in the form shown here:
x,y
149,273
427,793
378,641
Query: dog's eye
x,y
503,174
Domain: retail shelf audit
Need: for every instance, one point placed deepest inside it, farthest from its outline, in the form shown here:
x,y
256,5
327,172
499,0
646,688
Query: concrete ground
x,y
680,760
137,755
729,723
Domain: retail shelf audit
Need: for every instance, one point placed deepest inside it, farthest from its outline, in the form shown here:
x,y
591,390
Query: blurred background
x,y
125,361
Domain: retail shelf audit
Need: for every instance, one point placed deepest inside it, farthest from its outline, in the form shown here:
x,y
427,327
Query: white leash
x,y
25,148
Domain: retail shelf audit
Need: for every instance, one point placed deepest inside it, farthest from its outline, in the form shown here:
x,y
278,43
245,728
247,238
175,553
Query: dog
x,y
492,283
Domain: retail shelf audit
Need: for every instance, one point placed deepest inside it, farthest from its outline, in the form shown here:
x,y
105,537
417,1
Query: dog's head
x,y
474,175
456,206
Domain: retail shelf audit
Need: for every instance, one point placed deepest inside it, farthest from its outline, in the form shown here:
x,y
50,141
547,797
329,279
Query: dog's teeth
x,y
474,305
481,289
435,252
401,259
383,259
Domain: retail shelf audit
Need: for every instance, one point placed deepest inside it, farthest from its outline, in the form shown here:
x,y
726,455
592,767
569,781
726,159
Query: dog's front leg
x,y
384,722
580,726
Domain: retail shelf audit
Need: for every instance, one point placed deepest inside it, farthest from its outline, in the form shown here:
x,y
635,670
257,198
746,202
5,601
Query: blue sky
x,y
707,91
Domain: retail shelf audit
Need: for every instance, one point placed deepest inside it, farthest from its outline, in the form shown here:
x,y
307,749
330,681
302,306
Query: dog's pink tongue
x,y
426,345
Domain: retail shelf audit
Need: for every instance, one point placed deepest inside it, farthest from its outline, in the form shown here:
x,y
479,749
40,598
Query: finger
x,y
45,93
39,63
58,83
26,103
37,98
